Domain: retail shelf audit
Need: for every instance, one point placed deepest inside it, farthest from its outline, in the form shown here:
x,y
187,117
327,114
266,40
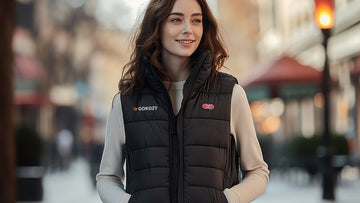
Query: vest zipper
x,y
179,130
176,155
173,151
176,148
179,127
174,159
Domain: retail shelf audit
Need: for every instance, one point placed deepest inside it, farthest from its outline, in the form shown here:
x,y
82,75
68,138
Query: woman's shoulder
x,y
227,76
239,94
116,102
223,82
239,90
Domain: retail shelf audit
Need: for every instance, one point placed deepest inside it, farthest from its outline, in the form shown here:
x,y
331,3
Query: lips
x,y
185,41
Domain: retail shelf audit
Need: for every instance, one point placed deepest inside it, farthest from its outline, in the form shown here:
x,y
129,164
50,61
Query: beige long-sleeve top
x,y
255,171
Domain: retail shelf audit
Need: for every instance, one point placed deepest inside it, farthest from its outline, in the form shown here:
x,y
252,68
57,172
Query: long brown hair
x,y
147,43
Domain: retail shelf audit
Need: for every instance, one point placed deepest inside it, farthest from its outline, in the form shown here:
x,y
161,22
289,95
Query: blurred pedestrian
x,y
183,127
64,146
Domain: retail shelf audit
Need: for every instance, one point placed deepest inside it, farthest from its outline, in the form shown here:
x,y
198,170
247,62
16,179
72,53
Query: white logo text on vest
x,y
147,108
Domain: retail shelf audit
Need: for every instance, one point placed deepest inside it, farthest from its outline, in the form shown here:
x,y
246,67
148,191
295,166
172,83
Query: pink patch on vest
x,y
208,106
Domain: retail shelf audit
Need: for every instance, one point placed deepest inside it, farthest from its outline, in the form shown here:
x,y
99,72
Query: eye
x,y
175,20
197,21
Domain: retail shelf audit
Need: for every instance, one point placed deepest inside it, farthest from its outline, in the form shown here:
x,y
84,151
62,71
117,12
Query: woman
x,y
180,127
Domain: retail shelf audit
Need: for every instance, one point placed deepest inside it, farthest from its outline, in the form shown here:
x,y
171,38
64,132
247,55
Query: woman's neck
x,y
177,67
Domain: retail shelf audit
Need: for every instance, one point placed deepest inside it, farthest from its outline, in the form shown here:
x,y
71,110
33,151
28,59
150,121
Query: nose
x,y
187,29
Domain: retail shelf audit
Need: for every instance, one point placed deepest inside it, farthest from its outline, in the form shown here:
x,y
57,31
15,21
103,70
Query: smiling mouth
x,y
186,41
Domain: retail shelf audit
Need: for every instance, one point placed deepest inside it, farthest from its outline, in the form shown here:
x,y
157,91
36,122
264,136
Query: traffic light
x,y
324,13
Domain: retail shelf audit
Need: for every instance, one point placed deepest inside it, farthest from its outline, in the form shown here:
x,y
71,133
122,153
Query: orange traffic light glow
x,y
324,14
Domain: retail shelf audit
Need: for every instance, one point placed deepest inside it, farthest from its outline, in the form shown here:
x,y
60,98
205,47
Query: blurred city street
x,y
302,82
72,186
75,186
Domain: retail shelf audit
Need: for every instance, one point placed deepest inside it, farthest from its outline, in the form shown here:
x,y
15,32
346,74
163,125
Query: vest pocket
x,y
152,195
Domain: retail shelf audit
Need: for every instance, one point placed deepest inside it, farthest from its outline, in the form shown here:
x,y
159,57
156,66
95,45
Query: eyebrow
x,y
181,14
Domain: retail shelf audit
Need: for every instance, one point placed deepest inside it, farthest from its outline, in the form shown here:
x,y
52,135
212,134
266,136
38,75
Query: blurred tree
x,y
7,140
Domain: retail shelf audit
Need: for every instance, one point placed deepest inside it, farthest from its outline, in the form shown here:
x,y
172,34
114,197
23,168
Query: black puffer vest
x,y
189,157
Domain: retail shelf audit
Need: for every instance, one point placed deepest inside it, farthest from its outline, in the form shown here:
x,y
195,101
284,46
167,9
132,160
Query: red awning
x,y
284,77
283,70
31,99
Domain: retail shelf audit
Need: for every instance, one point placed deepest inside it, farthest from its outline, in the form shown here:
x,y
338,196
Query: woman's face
x,y
182,30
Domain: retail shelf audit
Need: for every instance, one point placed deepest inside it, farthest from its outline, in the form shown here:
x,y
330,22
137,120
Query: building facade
x,y
288,27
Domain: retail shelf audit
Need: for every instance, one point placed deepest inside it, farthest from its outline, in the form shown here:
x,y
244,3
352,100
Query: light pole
x,y
324,17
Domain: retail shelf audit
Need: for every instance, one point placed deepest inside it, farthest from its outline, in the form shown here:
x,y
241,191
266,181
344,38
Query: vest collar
x,y
200,72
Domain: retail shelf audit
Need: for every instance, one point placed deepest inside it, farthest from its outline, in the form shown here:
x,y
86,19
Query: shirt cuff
x,y
125,198
231,197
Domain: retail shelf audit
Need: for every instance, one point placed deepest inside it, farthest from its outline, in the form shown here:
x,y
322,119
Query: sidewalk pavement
x,y
75,186
71,186
281,189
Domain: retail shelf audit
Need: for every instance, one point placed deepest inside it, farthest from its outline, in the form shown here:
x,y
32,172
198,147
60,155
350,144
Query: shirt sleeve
x,y
109,180
255,170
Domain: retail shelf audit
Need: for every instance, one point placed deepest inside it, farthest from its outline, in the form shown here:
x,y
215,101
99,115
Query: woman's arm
x,y
255,170
111,174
